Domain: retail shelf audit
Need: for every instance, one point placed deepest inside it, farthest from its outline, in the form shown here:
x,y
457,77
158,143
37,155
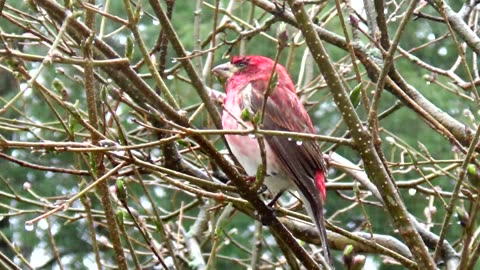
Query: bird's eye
x,y
240,62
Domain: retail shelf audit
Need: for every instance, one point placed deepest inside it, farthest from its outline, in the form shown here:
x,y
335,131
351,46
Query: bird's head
x,y
244,65
255,69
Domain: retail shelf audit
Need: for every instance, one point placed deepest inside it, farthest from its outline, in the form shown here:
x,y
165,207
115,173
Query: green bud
x,y
246,115
183,142
347,256
129,48
260,172
355,95
473,176
72,124
58,85
471,170
462,216
256,118
121,190
121,215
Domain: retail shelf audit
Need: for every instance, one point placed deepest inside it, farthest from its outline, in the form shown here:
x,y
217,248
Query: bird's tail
x,y
319,221
314,206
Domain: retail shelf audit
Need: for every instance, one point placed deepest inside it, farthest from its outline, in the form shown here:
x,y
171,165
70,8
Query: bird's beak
x,y
224,71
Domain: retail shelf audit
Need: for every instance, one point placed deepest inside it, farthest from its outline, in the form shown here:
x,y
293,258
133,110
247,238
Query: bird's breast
x,y
246,147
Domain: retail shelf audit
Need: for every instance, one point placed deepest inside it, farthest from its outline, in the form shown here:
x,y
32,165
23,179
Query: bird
x,y
290,164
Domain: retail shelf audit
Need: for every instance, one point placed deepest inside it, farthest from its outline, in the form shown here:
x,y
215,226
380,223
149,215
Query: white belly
x,y
246,148
247,152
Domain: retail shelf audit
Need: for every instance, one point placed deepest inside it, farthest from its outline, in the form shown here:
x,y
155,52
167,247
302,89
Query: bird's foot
x,y
275,199
268,219
262,189
251,181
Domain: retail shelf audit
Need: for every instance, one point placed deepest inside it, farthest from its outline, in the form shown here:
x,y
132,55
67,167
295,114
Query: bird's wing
x,y
285,112
302,160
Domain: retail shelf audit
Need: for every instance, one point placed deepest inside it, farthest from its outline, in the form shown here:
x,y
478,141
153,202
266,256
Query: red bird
x,y
291,164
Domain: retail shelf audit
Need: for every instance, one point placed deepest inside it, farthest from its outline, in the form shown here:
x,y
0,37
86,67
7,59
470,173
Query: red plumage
x,y
291,164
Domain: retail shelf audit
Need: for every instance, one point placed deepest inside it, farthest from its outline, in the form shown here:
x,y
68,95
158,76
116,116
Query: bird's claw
x,y
262,189
267,220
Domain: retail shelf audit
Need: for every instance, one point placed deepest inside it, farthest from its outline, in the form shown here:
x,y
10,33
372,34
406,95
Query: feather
x,y
290,163
302,160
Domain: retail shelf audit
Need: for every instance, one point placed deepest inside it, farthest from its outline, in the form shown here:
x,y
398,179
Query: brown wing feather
x,y
303,160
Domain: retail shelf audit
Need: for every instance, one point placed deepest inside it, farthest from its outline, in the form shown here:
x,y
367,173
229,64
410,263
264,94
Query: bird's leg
x,y
251,180
275,198
266,221
262,189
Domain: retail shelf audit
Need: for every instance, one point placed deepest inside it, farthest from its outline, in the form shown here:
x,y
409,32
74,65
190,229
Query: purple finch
x,y
291,164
